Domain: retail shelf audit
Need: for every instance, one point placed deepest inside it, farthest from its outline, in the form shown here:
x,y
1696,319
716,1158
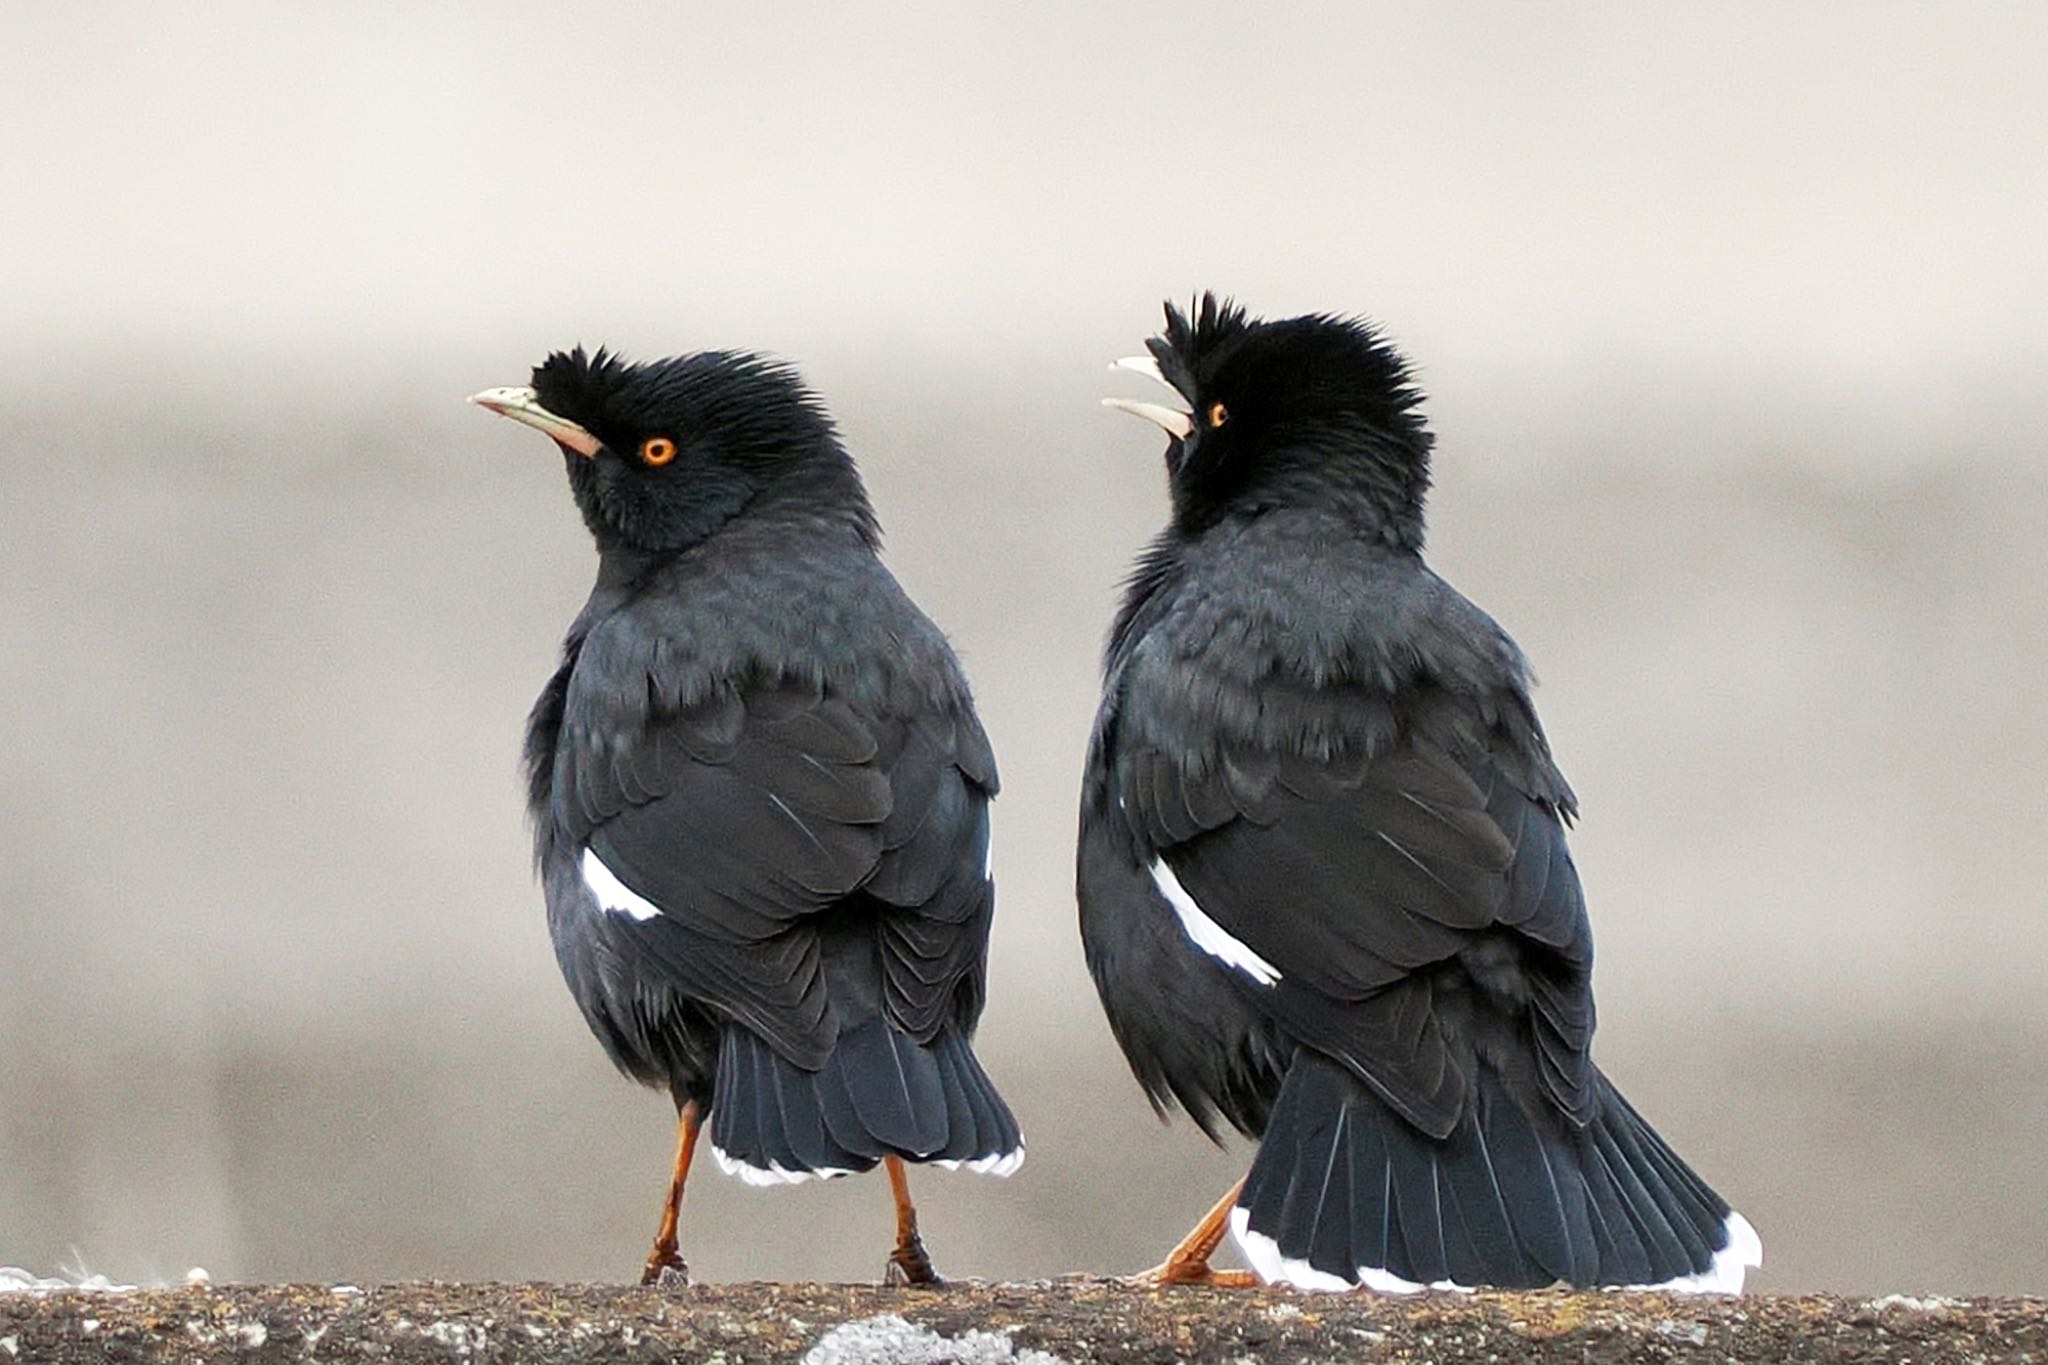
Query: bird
x,y
759,791
1323,882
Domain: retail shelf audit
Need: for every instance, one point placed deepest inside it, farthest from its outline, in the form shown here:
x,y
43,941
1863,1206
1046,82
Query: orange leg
x,y
908,1263
1188,1263
664,1266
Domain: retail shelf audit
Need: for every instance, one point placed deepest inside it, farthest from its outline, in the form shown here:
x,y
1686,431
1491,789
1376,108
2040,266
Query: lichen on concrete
x,y
888,1339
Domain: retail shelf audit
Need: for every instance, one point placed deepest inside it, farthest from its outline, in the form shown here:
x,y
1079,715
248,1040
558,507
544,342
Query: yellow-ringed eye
x,y
657,451
1218,415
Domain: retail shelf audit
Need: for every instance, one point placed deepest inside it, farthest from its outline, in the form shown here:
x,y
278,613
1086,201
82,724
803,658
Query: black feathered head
x,y
662,454
1316,409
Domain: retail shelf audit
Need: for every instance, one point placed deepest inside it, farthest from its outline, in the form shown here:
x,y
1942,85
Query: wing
x,y
1388,902
1190,1037
734,827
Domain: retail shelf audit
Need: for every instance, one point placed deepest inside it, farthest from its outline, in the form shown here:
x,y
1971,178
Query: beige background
x,y
1732,319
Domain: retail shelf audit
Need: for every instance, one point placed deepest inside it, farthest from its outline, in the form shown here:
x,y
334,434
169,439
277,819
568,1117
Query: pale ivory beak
x,y
522,405
1176,423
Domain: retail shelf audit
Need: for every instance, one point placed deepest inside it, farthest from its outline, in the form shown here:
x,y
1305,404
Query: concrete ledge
x,y
1073,1320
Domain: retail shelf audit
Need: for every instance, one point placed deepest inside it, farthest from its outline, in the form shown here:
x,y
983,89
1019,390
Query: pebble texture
x,y
974,1324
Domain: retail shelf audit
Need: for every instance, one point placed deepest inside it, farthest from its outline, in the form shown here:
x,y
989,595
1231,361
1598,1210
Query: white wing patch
x,y
1208,935
613,894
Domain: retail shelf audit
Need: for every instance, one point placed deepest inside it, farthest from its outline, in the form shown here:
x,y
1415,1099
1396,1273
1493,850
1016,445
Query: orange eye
x,y
1218,414
657,451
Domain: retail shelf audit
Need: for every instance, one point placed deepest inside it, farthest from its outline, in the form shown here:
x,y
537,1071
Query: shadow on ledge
x,y
977,1324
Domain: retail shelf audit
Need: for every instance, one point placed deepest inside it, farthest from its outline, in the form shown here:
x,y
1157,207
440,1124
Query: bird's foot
x,y
1191,1272
665,1270
910,1266
1188,1262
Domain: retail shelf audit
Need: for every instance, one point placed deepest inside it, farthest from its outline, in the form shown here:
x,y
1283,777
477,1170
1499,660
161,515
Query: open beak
x,y
1176,423
521,405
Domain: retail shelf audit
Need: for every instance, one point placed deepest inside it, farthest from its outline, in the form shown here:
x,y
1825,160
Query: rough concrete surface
x,y
1072,1320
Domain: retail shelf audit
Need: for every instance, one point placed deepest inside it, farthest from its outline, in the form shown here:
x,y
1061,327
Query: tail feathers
x,y
1344,1192
981,1134
878,1094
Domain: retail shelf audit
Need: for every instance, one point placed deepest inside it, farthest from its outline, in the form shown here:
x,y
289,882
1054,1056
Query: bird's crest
x,y
576,382
1330,360
1184,347
1319,406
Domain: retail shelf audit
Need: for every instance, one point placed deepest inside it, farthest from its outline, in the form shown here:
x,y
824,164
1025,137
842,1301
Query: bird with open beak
x,y
1324,887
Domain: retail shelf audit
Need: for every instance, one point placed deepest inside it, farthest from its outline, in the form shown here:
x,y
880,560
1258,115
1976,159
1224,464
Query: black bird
x,y
1323,880
759,790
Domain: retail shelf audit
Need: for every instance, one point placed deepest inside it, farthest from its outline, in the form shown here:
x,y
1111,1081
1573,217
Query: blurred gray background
x,y
1732,321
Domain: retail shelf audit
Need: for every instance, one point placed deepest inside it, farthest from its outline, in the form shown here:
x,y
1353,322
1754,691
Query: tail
x,y
1345,1192
878,1094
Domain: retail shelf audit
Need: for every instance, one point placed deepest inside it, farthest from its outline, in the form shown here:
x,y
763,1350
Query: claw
x,y
665,1268
1190,1272
908,1264
670,1273
911,1267
1188,1263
